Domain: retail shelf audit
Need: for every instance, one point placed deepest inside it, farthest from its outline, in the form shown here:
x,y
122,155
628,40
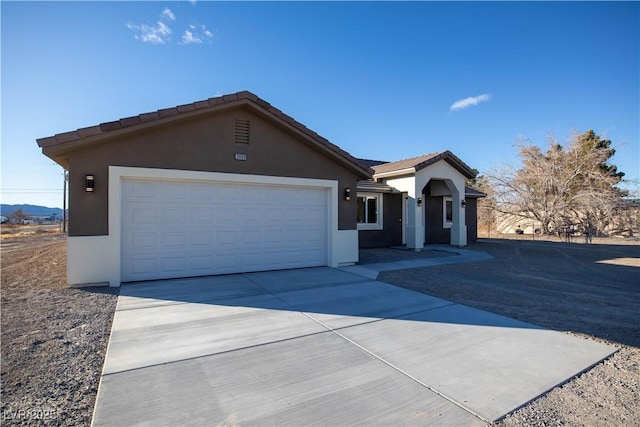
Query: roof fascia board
x,y
474,195
399,172
461,167
451,160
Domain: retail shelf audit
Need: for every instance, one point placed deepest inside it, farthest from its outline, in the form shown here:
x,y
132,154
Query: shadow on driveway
x,y
474,365
588,289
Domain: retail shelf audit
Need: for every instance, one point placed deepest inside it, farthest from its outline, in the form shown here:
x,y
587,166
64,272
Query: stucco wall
x,y
200,144
472,219
391,234
434,231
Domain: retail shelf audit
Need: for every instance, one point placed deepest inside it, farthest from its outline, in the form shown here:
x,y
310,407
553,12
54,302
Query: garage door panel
x,y
201,238
142,265
141,241
201,263
315,214
272,236
174,241
199,215
313,237
172,215
228,194
226,213
187,228
173,264
252,238
196,192
171,192
226,239
140,214
134,190
250,216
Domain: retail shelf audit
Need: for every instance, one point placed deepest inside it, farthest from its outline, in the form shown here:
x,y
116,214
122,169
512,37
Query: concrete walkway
x,y
320,346
457,255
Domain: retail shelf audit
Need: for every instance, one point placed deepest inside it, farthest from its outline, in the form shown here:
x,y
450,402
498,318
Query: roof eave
x,y
395,173
371,186
56,147
462,168
452,160
475,194
63,146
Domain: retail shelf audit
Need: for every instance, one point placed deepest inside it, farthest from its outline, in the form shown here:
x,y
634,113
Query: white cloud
x,y
155,34
188,38
168,14
196,34
468,102
158,34
193,2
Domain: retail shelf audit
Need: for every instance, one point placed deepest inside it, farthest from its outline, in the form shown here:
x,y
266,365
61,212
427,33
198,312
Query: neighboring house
x,y
516,224
45,218
232,184
624,221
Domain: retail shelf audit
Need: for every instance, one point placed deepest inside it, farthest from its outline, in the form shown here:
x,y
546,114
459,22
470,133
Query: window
x,y
369,211
447,212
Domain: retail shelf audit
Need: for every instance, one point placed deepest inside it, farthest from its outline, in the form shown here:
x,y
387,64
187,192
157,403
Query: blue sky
x,y
381,80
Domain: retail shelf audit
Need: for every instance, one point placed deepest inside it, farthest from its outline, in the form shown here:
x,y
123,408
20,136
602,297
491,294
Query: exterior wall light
x,y
89,183
419,201
347,194
463,203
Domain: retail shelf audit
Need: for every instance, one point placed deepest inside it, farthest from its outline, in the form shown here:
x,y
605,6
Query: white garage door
x,y
183,228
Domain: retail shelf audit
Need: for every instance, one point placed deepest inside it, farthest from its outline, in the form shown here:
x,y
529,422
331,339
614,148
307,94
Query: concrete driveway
x,y
320,346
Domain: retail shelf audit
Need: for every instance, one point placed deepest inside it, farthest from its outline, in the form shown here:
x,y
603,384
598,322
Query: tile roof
x,y
415,164
374,186
243,97
473,193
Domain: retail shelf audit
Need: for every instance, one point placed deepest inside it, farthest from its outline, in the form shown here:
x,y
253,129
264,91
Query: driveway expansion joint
x,y
401,371
204,356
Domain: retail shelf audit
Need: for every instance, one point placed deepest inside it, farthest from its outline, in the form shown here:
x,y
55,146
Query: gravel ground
x,y
587,290
53,338
376,255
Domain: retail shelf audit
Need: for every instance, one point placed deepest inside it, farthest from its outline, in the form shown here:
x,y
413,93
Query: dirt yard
x,y
54,338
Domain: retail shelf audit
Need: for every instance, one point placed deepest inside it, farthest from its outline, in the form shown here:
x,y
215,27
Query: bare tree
x,y
17,216
561,187
486,208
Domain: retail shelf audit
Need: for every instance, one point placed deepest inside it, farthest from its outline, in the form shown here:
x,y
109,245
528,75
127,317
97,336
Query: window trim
x,y
445,223
378,225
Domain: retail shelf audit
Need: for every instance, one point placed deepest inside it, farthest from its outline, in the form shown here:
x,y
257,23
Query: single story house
x,y
232,184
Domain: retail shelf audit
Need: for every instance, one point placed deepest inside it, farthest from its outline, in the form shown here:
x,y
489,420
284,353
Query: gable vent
x,y
242,131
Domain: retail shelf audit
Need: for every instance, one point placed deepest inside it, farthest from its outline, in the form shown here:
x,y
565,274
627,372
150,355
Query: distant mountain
x,y
7,210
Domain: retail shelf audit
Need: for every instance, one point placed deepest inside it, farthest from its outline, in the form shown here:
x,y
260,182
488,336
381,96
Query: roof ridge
x,y
420,162
418,157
